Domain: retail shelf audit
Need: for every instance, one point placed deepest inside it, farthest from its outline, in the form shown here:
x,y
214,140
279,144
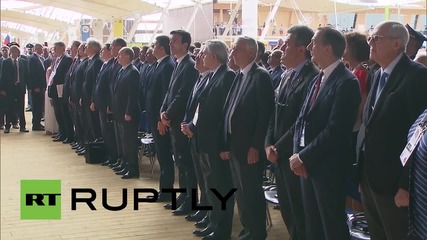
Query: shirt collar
x,y
391,66
298,68
205,73
246,69
125,66
179,60
161,59
216,69
329,69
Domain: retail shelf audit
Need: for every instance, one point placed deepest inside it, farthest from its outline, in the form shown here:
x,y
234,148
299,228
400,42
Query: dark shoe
x,y
130,175
184,209
82,153
60,139
38,128
66,141
81,148
113,165
28,109
203,232
24,130
6,130
212,236
119,168
202,223
77,146
15,126
199,215
106,163
54,136
122,172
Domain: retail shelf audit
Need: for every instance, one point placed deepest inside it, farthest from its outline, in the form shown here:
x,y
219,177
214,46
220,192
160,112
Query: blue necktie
x,y
381,84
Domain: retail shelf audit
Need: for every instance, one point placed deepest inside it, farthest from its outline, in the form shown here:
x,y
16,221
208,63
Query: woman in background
x,y
355,54
51,126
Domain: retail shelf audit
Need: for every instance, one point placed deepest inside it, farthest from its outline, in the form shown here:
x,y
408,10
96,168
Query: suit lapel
x,y
215,77
335,75
246,82
120,77
393,80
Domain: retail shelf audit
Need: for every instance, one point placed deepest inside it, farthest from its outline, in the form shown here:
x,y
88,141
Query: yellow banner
x,y
387,13
118,28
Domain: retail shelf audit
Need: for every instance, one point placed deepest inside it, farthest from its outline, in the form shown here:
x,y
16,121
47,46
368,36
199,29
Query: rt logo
x,y
40,199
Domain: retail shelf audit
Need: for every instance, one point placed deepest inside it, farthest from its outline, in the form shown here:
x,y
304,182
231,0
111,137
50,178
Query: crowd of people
x,y
320,102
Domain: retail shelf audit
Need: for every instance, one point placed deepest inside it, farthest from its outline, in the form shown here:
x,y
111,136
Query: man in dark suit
x,y
14,78
72,108
322,138
145,72
290,97
172,113
55,91
119,166
100,100
248,109
77,78
37,85
276,68
3,98
191,114
205,131
125,108
396,99
93,48
155,89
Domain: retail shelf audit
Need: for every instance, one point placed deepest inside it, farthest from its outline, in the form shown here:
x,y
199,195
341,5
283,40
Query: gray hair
x,y
128,51
94,43
251,44
60,44
399,31
219,49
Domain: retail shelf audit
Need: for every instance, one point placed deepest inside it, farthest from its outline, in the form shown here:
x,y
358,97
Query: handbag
x,y
95,152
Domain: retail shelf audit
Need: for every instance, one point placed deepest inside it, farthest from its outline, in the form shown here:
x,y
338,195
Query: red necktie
x,y
316,89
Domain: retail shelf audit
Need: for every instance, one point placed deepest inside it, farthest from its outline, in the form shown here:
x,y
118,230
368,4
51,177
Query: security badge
x,y
413,142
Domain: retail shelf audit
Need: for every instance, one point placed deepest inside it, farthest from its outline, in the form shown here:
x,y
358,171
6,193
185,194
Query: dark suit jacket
x,y
102,95
115,68
125,95
59,77
145,71
193,100
77,81
329,126
37,73
211,103
252,113
155,88
182,82
89,77
276,75
8,77
282,124
385,127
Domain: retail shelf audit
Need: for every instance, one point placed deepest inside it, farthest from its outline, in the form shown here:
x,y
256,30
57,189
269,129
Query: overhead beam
x,y
33,20
232,17
270,17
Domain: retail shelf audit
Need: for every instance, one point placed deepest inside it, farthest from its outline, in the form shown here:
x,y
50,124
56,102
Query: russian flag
x,y
6,40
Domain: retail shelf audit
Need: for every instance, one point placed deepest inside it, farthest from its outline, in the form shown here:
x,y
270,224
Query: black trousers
x,y
217,175
3,108
75,110
324,205
164,155
15,108
129,138
63,117
37,103
118,142
290,199
250,195
386,221
198,171
183,159
109,135
90,120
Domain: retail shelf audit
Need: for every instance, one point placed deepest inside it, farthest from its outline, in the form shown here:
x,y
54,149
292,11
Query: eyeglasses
x,y
377,38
